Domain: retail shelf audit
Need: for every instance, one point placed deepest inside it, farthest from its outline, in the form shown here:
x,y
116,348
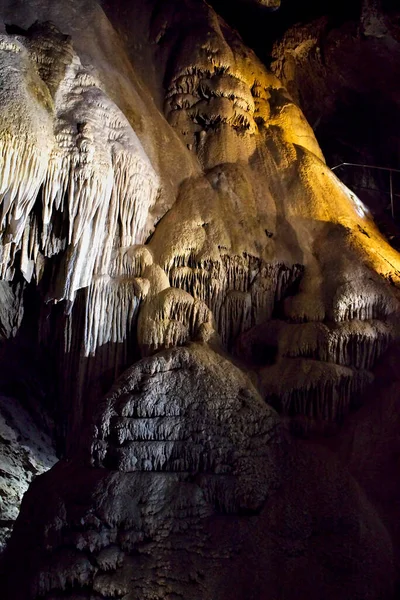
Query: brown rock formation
x,y
194,492
163,198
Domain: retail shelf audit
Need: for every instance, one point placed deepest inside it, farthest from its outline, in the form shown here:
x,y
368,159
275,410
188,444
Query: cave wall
x,y
166,204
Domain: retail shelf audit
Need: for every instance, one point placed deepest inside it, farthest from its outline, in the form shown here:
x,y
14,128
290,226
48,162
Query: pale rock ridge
x,y
26,134
363,300
217,247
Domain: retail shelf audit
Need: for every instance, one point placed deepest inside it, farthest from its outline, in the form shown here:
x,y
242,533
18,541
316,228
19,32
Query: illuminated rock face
x,y
170,196
79,150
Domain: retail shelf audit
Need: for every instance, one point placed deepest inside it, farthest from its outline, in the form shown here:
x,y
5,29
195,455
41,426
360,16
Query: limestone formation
x,y
166,209
194,492
328,66
26,451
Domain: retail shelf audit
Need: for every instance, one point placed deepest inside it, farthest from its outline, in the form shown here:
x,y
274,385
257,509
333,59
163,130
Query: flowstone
x,y
192,490
166,205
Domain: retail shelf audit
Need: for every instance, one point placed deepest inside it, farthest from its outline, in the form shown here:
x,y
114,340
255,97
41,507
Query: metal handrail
x,y
391,170
374,189
347,164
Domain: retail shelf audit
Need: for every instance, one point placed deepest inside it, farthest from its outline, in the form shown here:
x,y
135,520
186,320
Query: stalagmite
x,y
170,318
149,423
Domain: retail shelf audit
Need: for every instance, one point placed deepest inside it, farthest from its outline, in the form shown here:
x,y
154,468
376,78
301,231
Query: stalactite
x,y
26,138
74,182
240,291
112,307
77,148
110,186
79,575
358,343
363,300
72,153
349,343
312,391
138,509
172,317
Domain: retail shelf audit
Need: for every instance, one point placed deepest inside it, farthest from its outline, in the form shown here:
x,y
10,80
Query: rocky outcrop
x,y
252,222
330,65
195,492
167,207
26,450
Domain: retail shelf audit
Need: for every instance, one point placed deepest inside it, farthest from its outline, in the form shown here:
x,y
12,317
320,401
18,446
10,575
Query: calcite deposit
x,y
171,230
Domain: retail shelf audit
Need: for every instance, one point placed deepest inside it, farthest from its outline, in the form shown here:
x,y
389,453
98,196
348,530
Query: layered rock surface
x,y
167,199
195,492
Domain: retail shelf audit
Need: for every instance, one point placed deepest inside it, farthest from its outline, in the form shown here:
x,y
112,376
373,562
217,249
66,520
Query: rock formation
x,y
166,209
329,66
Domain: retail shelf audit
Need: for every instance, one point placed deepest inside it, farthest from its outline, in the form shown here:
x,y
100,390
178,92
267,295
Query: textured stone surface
x,y
165,206
25,452
332,65
246,516
190,411
251,232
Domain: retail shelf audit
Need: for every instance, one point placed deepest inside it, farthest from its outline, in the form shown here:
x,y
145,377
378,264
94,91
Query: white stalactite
x,y
70,139
26,139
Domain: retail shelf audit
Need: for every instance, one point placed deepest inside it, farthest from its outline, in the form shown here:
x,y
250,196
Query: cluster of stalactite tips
x,y
77,189
247,286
